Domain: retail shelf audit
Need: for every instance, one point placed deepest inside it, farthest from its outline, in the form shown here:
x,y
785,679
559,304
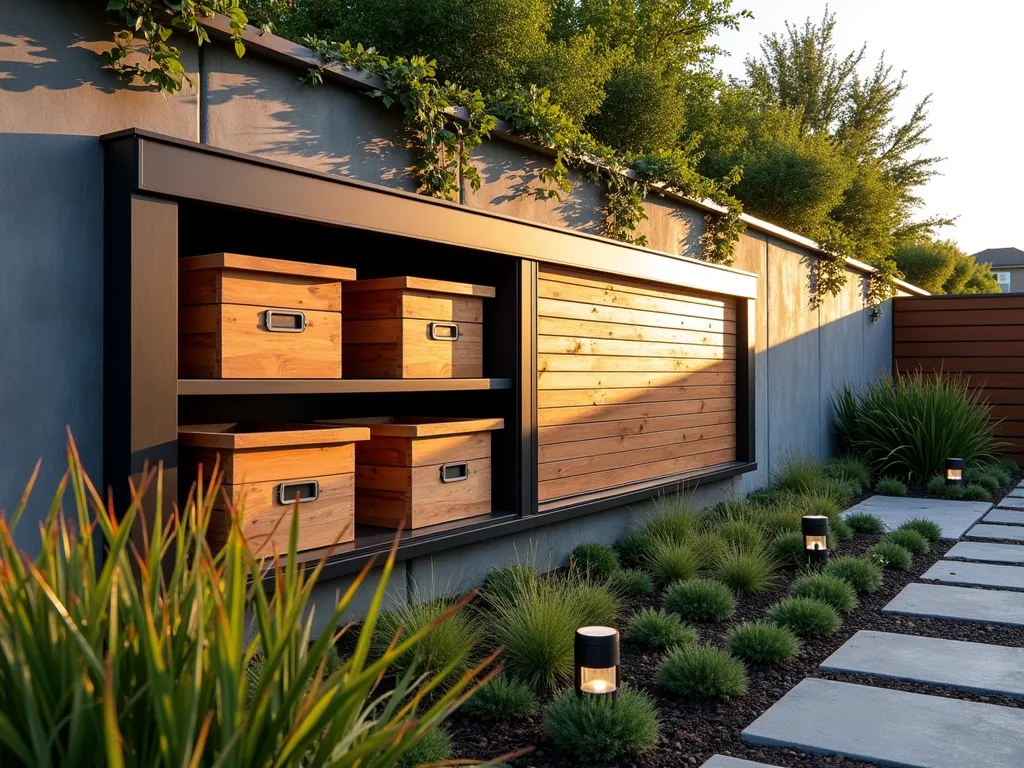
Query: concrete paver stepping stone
x,y
891,727
1017,492
938,601
992,553
974,667
1004,516
1008,532
976,574
1011,502
721,761
954,517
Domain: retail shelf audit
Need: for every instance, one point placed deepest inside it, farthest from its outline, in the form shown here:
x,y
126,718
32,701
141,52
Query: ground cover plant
x,y
806,617
671,561
702,600
890,486
931,530
656,628
594,560
634,549
630,583
830,589
910,540
789,549
595,729
762,642
701,672
502,699
849,469
891,555
864,574
441,650
745,572
862,522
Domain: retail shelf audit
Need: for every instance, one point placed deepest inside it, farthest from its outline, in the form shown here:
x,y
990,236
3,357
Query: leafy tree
x,y
941,267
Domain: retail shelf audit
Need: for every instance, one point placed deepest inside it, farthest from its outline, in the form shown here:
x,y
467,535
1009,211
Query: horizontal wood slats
x,y
634,382
979,337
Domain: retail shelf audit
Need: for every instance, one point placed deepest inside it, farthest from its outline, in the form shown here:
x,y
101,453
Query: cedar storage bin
x,y
412,327
243,317
421,471
269,466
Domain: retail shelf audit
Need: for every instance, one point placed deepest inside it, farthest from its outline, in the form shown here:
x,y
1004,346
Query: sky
x,y
970,57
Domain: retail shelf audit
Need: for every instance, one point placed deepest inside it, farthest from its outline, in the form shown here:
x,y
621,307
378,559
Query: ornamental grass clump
x,y
504,583
780,520
890,556
762,642
634,550
443,649
741,535
709,547
630,583
745,572
864,574
147,658
597,730
596,602
931,530
908,425
862,522
799,475
767,498
890,486
806,617
986,477
830,589
652,628
975,492
502,700
673,520
910,540
673,562
594,560
789,549
701,672
435,747
703,600
849,469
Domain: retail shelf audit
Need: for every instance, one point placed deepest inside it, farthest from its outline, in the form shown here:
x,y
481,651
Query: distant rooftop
x,y
1001,257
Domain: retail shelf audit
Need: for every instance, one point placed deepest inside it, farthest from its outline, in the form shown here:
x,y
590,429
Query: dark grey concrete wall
x,y
55,101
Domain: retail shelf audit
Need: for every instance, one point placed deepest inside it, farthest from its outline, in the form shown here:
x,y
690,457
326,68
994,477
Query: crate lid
x,y
420,284
420,426
239,436
260,264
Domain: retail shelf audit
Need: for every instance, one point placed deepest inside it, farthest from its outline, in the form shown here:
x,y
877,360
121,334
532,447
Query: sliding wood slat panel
x,y
635,383
978,337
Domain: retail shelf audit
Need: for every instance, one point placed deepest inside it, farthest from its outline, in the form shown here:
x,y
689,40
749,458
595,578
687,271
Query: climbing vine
x,y
155,21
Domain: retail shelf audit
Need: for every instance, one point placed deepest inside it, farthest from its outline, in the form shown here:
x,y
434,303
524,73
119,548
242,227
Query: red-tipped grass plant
x,y
140,657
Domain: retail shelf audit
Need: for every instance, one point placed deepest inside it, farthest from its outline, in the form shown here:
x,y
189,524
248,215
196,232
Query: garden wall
x,y
54,103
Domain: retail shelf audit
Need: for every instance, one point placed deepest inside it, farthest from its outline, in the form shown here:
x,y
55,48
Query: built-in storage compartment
x,y
414,327
268,469
420,471
243,317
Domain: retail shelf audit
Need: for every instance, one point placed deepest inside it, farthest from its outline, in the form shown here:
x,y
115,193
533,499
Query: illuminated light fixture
x,y
954,471
815,530
596,654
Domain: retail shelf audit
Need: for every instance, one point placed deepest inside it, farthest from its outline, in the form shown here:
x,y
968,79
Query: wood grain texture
x,y
413,497
635,382
241,436
260,264
402,348
381,305
980,338
420,426
423,284
266,464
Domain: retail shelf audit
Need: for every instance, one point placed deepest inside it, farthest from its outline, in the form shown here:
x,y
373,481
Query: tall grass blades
x,y
146,658
443,649
799,474
909,425
674,519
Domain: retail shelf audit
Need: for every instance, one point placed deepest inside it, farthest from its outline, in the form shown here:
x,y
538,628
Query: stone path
x,y
977,667
976,574
955,517
892,727
721,761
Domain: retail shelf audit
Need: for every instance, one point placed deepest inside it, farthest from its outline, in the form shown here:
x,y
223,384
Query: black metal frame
x,y
149,177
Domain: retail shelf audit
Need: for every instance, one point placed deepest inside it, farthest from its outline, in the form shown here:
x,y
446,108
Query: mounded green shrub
x,y
704,600
850,470
504,582
652,628
733,509
1010,466
745,572
862,522
862,573
839,530
983,476
674,520
910,540
799,474
634,549
975,492
435,747
833,590
931,530
594,560
890,486
631,583
908,425
598,605
502,699
673,562
769,497
890,556
445,645
780,520
701,672
762,642
805,617
937,485
597,730
789,549
841,492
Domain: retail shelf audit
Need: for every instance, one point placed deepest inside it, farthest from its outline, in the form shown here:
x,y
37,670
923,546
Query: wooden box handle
x,y
444,331
284,320
298,490
455,472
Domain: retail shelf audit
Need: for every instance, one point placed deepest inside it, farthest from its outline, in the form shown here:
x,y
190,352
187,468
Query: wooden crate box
x,y
266,467
414,472
411,327
243,317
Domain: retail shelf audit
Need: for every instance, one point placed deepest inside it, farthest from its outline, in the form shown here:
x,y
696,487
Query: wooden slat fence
x,y
980,337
